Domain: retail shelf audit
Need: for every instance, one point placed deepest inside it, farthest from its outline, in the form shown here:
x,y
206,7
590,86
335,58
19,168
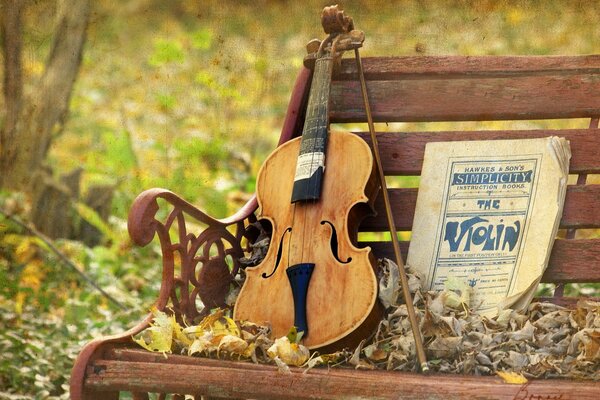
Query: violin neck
x,y
311,159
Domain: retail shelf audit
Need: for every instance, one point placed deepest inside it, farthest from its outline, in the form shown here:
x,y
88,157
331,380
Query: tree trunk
x,y
98,198
30,121
10,29
51,209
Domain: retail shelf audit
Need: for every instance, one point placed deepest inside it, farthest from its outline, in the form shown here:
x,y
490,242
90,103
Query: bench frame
x,y
201,267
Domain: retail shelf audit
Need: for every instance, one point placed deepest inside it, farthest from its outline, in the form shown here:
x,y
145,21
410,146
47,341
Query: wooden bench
x,y
199,266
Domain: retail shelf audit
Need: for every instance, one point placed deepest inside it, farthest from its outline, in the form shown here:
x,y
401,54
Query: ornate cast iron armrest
x,y
142,223
208,261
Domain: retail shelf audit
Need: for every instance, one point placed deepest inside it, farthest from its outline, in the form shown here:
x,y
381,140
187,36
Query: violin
x,y
314,190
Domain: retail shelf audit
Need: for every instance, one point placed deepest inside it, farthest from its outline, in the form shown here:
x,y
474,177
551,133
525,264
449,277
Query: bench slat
x,y
472,98
235,379
402,152
571,261
406,67
581,209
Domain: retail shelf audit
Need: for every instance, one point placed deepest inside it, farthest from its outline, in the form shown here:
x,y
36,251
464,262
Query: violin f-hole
x,y
334,243
279,251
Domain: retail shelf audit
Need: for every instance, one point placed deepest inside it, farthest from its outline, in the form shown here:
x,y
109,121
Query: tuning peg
x,y
313,46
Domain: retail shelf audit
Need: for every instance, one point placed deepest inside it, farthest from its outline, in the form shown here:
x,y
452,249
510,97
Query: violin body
x,y
341,299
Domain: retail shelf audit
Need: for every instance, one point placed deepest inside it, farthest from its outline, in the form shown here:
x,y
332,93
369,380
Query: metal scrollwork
x,y
198,269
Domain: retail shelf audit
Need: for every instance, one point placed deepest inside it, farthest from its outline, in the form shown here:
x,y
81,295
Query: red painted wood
x,y
411,67
571,261
94,350
581,209
226,378
402,152
567,302
470,98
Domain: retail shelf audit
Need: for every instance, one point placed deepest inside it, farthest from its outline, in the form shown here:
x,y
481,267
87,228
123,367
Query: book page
x,y
486,217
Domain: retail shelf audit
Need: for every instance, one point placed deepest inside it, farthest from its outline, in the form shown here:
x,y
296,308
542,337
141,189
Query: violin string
x,y
315,119
289,246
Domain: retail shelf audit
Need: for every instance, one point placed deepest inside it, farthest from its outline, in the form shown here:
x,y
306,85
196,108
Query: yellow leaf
x,y
512,377
232,344
225,326
159,336
31,275
25,251
202,343
290,353
19,302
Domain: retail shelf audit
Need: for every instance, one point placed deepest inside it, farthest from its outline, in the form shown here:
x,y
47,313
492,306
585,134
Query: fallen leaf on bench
x,y
202,343
445,347
325,359
282,367
389,283
586,343
225,326
289,353
374,353
232,344
159,336
512,377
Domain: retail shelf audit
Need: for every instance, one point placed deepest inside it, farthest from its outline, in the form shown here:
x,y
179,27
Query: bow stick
x,y
388,210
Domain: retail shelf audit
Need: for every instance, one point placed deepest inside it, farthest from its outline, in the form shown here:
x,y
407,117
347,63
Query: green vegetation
x,y
191,97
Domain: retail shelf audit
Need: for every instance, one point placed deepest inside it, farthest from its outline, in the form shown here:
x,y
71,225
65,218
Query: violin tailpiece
x,y
299,277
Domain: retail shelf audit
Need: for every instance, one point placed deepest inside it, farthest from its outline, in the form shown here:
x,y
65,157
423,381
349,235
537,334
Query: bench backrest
x,y
487,88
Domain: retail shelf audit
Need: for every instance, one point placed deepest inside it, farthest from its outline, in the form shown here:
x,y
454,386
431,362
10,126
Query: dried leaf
x,y
232,344
586,344
374,353
282,367
224,326
512,377
444,347
159,336
389,282
526,333
202,344
289,353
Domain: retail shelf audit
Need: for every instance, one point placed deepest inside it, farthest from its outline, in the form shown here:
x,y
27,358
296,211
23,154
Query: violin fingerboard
x,y
310,164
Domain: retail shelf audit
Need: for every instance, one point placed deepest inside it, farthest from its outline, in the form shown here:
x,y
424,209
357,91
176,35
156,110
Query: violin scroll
x,y
334,21
341,37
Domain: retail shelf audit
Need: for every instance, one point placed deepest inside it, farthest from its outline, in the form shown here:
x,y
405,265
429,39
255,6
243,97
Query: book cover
x,y
486,217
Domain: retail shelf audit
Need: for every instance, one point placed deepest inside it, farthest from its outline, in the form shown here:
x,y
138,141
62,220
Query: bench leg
x,y
140,396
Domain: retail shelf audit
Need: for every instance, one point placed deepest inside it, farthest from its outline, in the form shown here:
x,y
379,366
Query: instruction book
x,y
486,217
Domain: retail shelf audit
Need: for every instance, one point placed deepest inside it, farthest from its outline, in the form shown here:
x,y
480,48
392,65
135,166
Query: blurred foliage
x,y
191,96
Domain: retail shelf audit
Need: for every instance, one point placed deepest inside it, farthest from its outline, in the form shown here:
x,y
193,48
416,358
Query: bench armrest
x,y
208,260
